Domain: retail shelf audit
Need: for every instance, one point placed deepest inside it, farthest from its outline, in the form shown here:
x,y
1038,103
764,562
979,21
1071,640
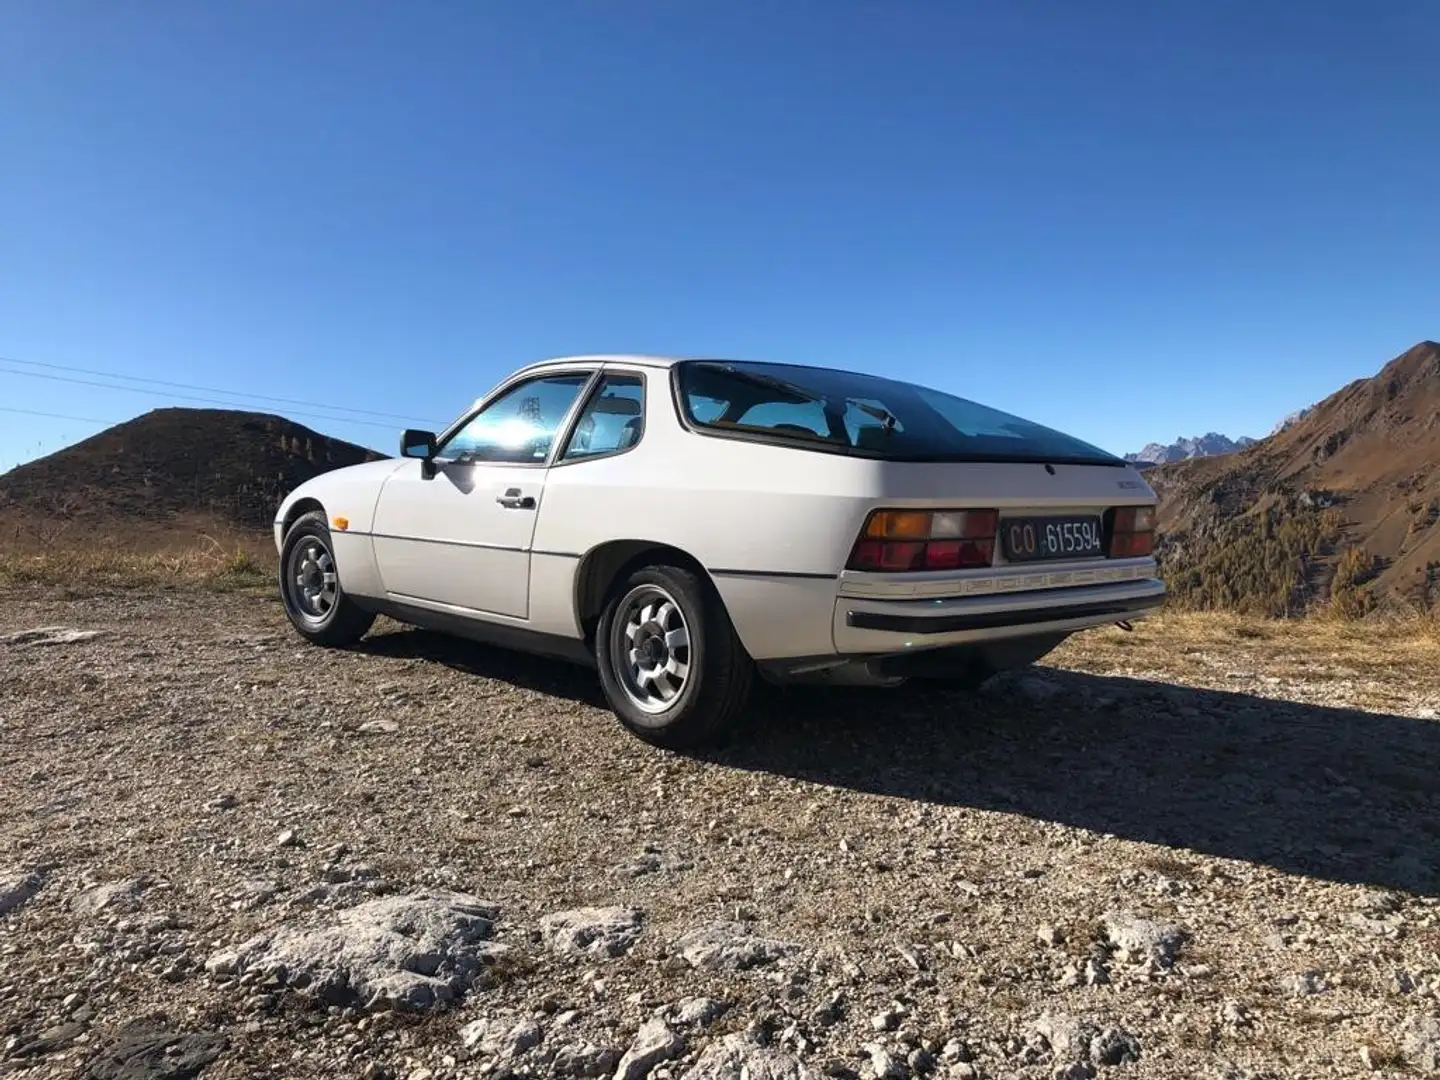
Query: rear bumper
x,y
864,627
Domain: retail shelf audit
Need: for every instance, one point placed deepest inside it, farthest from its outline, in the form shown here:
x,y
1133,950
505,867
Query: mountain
x,y
1339,507
1208,445
221,463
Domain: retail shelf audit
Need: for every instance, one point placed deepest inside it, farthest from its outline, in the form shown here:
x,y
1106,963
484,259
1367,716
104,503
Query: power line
x,y
190,397
205,389
57,416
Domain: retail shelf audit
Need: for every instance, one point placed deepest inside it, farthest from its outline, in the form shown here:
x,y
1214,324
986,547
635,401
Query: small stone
x,y
921,1062
379,727
288,839
1420,1042
1304,984
654,1043
963,1071
1369,1059
955,1051
224,802
887,1020
886,1065
1114,1047
1078,1070
1139,940
1050,935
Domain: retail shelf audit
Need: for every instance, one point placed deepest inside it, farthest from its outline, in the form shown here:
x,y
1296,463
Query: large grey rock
x,y
596,931
1072,1039
697,1011
1140,939
654,1043
111,896
412,951
141,1053
49,635
737,1058
16,889
730,946
584,1059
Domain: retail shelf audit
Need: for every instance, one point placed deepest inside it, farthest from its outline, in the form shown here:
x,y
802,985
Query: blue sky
x,y
1132,221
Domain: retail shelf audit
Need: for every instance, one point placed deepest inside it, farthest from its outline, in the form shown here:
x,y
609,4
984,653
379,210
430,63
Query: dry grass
x,y
1212,648
80,554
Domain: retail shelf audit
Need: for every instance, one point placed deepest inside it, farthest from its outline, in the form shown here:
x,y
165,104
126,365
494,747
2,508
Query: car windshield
x,y
867,415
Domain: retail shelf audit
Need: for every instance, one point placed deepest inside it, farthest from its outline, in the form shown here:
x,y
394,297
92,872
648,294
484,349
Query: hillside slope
x,y
232,465
1341,506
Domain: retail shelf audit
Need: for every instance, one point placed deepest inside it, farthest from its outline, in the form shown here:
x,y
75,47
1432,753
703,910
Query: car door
x,y
457,530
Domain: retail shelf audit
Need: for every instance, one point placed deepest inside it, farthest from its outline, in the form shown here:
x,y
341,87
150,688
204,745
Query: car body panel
x,y
772,525
447,539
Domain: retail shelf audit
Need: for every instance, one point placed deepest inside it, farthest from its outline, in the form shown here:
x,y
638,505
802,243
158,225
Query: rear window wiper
x,y
770,382
879,412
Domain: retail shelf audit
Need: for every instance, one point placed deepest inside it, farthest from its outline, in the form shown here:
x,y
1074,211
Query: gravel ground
x,y
224,853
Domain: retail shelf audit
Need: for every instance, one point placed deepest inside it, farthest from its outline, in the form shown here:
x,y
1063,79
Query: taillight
x,y
1133,534
895,541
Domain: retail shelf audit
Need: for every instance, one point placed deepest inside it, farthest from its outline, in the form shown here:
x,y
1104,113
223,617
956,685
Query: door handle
x,y
513,500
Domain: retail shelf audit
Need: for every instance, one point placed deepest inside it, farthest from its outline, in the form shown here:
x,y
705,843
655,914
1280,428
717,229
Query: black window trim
x,y
820,446
593,388
520,378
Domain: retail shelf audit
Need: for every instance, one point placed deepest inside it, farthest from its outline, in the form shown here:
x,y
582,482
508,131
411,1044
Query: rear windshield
x,y
865,415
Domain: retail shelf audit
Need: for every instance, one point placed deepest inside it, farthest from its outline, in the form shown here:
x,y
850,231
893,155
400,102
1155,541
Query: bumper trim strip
x,y
990,620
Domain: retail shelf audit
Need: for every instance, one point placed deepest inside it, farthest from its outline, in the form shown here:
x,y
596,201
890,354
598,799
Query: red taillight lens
x,y
1133,534
894,541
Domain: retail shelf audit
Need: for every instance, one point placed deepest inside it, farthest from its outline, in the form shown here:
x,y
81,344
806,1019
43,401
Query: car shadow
x,y
557,678
1333,793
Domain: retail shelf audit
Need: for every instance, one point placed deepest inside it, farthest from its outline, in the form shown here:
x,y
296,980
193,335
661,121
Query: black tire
x,y
718,675
341,622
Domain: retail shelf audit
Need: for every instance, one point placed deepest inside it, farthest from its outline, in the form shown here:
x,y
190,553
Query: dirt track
x,y
941,864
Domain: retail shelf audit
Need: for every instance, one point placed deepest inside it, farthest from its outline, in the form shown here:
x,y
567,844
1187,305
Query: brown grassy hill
x,y
1340,508
220,464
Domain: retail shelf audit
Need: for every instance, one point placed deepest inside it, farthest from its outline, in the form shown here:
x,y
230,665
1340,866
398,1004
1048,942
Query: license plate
x,y
1033,539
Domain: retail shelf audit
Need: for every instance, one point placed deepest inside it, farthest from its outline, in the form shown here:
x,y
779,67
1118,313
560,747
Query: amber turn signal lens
x,y
898,525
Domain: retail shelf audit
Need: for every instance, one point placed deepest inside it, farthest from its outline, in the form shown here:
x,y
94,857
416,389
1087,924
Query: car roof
x,y
607,358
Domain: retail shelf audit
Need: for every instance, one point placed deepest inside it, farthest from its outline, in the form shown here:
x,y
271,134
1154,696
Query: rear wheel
x,y
670,662
310,586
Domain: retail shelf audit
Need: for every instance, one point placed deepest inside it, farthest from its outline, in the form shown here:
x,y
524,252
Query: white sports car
x,y
687,525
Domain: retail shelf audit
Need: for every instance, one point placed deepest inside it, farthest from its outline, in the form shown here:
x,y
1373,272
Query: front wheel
x,y
310,586
670,662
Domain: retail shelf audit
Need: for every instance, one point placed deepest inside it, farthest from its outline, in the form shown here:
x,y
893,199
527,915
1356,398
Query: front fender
x,y
349,493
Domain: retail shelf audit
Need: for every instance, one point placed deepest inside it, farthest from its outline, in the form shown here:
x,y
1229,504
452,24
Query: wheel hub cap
x,y
651,650
311,581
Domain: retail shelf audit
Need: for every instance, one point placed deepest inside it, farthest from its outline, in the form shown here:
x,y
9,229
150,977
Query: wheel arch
x,y
607,563
299,508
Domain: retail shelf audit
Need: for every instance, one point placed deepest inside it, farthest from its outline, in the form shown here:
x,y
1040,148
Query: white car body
x,y
525,552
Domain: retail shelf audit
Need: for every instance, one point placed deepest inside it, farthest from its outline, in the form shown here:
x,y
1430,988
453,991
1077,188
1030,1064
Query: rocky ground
x,y
1190,852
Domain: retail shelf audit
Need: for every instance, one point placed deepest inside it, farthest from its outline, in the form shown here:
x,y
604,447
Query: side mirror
x,y
420,444
417,444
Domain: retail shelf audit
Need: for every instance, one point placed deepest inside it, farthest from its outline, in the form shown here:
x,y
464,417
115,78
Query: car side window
x,y
519,426
613,419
